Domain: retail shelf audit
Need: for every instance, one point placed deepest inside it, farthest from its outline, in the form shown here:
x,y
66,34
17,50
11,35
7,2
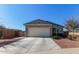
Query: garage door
x,y
39,31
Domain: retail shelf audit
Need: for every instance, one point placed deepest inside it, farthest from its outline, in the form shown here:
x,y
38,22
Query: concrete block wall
x,y
9,33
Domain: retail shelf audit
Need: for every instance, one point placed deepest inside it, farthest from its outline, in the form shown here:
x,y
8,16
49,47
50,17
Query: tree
x,y
1,33
71,24
2,27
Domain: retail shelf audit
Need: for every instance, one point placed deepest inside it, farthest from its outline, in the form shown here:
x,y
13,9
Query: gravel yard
x,y
66,43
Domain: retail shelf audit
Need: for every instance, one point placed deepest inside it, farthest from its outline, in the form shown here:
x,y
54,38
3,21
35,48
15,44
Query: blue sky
x,y
14,16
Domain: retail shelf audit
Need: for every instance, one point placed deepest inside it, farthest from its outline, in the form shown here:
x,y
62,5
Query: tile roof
x,y
39,21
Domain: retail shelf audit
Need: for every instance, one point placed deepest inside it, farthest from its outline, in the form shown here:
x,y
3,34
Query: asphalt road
x,y
30,45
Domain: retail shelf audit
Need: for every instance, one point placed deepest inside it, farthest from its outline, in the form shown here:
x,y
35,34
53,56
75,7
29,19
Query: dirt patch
x,y
66,43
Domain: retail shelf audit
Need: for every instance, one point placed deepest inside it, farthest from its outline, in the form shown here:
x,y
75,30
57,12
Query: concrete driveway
x,y
30,45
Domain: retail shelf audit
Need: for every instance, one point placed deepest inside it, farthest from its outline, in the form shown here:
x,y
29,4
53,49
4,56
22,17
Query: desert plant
x,y
1,27
71,24
72,37
1,35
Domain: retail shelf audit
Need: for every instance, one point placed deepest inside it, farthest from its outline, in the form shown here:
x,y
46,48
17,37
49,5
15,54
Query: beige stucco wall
x,y
27,26
75,33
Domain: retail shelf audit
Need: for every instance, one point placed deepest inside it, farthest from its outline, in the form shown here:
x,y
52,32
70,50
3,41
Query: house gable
x,y
38,21
42,22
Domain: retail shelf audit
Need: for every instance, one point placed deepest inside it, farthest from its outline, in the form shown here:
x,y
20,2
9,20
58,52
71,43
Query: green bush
x,y
56,37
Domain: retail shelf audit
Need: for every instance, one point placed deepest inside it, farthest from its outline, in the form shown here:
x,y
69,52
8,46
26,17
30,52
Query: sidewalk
x,y
60,51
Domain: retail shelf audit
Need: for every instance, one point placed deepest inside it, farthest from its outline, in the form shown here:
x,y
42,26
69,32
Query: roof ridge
x,y
44,21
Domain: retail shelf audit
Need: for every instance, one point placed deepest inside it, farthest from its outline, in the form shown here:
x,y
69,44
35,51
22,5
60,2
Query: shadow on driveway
x,y
8,41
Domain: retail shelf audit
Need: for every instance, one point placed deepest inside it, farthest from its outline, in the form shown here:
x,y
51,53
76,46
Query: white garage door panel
x,y
39,31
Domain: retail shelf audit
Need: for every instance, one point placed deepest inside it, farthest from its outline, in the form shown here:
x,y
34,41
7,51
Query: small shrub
x,y
1,35
56,37
72,37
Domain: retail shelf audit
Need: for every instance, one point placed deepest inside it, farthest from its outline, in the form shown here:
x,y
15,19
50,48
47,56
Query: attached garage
x,y
39,31
41,28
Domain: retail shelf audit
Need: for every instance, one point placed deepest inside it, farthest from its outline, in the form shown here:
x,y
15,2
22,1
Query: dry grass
x,y
66,43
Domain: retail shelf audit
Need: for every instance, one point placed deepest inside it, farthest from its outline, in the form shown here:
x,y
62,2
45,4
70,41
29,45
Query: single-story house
x,y
42,28
6,33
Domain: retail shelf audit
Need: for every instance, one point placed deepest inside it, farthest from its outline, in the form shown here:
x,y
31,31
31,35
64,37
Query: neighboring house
x,y
76,32
42,28
10,33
